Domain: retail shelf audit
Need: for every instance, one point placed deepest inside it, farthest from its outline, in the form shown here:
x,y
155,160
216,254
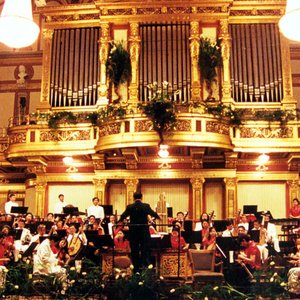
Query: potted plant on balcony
x,y
160,109
118,66
210,58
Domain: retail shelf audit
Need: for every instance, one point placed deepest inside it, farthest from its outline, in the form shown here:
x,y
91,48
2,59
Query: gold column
x,y
288,101
197,185
103,55
44,104
293,189
194,50
225,50
135,42
230,197
100,185
40,196
131,186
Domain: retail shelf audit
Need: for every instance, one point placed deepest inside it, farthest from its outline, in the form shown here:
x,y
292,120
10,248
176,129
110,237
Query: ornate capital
x,y
197,183
99,183
47,34
230,182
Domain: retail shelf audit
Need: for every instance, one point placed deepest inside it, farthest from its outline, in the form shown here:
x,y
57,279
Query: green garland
x,y
118,64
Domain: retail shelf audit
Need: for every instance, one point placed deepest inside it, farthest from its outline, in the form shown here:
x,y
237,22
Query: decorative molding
x,y
217,127
265,132
65,135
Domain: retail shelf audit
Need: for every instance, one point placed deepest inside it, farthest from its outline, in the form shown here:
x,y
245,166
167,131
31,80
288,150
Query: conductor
x,y
139,235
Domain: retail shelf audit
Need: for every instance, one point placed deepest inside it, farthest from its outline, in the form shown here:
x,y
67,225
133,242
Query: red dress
x,y
253,250
174,242
295,211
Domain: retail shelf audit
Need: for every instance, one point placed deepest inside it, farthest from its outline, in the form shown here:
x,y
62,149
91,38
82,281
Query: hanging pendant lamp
x,y
17,29
290,21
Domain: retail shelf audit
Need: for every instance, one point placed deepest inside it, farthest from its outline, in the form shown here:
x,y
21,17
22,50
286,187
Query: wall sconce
x,y
17,29
290,21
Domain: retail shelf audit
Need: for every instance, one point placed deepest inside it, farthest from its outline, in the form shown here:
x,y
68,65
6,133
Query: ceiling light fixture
x,y
290,21
17,29
68,160
163,151
263,158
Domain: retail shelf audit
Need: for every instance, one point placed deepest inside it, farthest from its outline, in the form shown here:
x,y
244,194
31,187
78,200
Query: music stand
x,y
227,244
30,249
71,211
250,209
170,212
108,210
18,233
102,240
254,235
220,225
196,237
21,210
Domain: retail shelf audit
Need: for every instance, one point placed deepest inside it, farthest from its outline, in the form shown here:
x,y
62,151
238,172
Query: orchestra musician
x,y
96,210
76,240
209,241
10,203
295,209
7,242
179,220
271,232
22,243
176,241
60,204
46,262
244,222
262,238
204,217
230,230
121,244
249,257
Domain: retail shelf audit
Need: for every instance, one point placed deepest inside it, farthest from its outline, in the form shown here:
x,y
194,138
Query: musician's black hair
x,y
137,195
180,212
54,237
243,237
11,194
296,199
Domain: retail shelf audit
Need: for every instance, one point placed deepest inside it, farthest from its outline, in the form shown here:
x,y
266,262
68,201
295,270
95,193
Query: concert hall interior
x,y
194,104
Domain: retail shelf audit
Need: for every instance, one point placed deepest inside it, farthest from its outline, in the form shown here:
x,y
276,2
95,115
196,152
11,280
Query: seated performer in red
x,y
121,244
209,241
176,241
250,255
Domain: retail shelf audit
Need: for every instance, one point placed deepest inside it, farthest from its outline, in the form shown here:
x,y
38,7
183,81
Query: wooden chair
x,y
203,265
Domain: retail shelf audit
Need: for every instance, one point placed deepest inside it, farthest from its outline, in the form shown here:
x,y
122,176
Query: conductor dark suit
x,y
139,236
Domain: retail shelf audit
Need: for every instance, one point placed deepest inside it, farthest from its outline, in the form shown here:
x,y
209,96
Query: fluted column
x,y
100,185
230,197
134,50
103,55
197,186
131,187
40,197
288,101
47,35
194,50
293,189
225,50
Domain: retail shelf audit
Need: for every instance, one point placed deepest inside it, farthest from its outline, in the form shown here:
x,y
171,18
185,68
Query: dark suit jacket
x,y
138,213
